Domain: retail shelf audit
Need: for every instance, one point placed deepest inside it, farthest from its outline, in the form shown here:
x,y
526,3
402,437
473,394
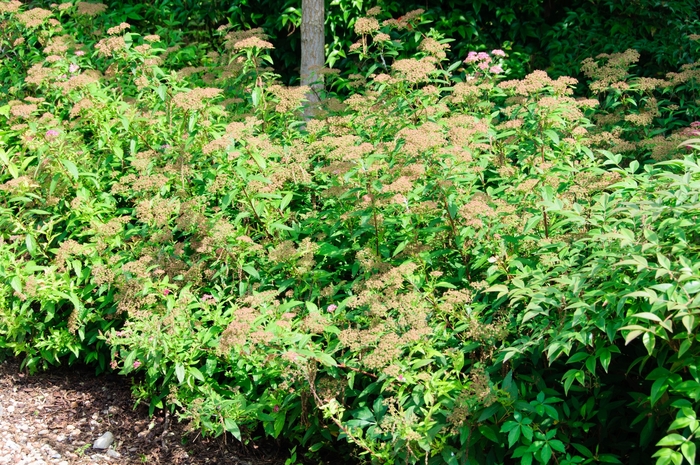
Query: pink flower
x,y
471,57
483,56
498,53
51,134
401,378
483,65
276,408
137,364
79,53
496,70
73,68
167,292
113,364
332,307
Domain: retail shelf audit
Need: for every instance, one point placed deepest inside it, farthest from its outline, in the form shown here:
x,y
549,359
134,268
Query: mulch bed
x,y
70,398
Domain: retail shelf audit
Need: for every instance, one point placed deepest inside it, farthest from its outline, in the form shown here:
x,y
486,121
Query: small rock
x,y
70,427
43,432
11,408
60,438
12,445
104,441
62,462
113,454
74,404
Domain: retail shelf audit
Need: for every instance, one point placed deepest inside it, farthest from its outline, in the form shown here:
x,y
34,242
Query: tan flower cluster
x,y
538,81
23,111
611,141
34,17
234,37
76,82
20,184
414,71
252,42
107,47
90,9
193,100
473,211
218,145
468,92
434,48
82,105
157,211
464,129
614,69
366,25
422,139
646,117
59,45
236,333
67,249
12,6
689,72
404,22
374,11
113,31
288,98
102,274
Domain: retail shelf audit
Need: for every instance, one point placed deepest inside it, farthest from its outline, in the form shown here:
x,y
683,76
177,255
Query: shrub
x,y
443,267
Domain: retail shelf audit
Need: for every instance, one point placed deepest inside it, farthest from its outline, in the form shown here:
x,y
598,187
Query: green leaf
x,y
605,357
196,374
553,136
256,95
72,169
658,389
30,243
688,450
232,427
180,372
671,440
488,433
513,436
251,271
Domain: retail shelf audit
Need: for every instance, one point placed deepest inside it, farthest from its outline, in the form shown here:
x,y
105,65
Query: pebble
x,y
104,441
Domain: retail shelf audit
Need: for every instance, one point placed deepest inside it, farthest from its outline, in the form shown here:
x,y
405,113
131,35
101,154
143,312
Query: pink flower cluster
x,y
51,134
484,61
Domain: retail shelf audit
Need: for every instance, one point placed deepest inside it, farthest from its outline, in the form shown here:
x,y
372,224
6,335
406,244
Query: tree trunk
x,y
313,55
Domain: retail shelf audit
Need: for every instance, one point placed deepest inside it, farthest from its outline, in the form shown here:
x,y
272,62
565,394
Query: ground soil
x,y
54,417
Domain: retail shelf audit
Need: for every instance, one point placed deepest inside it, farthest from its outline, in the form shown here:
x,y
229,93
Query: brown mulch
x,y
63,400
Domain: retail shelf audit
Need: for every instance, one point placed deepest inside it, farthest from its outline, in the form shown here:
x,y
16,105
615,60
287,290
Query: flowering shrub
x,y
447,266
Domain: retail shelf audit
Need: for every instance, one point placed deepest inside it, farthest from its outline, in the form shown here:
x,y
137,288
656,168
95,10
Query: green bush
x,y
443,267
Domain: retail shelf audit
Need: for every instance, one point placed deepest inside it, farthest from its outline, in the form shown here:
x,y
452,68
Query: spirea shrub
x,y
448,266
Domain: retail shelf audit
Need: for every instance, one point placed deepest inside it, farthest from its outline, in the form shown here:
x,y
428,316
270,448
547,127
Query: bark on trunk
x,y
313,55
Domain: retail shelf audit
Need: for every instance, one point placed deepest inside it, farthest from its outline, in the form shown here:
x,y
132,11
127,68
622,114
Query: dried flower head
x,y
194,99
434,48
12,6
414,71
90,9
366,25
34,17
118,29
252,42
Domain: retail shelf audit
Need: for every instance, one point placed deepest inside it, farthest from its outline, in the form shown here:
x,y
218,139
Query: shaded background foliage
x,y
540,34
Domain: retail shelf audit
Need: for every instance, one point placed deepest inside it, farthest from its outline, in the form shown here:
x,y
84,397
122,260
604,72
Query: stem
x,y
546,223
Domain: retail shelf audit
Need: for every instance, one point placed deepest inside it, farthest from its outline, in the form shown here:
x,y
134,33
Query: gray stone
x,y
113,454
104,441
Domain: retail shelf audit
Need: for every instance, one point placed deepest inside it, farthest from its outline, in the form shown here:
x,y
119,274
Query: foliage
x,y
443,267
